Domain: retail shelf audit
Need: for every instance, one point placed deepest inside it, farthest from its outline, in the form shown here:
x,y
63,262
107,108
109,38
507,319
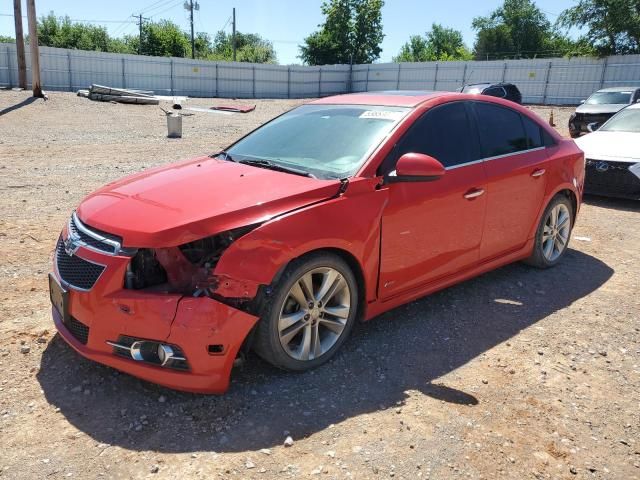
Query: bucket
x,y
174,125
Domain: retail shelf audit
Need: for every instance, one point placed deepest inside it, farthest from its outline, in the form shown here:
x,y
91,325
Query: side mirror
x,y
592,127
416,167
582,101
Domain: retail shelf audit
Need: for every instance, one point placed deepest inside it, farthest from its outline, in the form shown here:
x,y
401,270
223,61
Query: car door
x,y
515,162
433,229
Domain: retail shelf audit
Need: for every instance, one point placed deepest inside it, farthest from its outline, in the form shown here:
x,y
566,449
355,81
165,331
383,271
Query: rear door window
x,y
534,133
501,130
444,132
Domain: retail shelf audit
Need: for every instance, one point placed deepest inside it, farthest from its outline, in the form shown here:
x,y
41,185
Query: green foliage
x,y
250,47
162,39
519,29
5,39
352,32
63,33
439,44
613,26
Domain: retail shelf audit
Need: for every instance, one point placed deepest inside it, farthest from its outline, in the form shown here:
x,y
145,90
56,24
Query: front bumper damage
x,y
206,332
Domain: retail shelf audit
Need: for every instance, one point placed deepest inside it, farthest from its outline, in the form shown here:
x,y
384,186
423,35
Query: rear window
x,y
495,92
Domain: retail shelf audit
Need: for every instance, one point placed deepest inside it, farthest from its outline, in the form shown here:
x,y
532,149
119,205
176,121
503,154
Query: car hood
x,y
186,201
613,146
599,109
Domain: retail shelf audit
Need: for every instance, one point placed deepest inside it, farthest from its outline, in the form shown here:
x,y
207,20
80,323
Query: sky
x,y
285,22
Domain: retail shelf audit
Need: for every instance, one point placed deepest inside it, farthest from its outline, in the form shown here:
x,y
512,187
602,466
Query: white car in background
x,y
612,154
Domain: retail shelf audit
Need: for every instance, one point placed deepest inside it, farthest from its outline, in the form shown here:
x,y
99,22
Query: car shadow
x,y
613,203
400,353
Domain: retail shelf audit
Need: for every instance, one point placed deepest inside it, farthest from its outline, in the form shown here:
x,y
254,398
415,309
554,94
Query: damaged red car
x,y
331,213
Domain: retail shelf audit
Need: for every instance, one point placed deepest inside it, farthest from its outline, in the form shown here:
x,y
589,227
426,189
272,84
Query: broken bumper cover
x,y
193,324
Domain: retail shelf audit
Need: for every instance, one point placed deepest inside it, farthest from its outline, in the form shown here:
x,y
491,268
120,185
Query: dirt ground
x,y
517,374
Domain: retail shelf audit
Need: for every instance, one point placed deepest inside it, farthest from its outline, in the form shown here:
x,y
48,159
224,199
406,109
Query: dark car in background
x,y
600,107
508,91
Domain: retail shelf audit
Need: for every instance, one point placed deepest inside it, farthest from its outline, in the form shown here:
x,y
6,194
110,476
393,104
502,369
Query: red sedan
x,y
334,212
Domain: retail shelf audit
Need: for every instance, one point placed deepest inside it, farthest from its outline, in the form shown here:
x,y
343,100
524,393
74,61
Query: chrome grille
x,y
75,271
92,238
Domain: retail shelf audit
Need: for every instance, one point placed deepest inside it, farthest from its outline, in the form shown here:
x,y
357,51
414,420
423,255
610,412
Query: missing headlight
x,y
186,269
209,250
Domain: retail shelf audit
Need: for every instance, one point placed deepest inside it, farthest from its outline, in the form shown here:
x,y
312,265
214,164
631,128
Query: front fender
x,y
349,222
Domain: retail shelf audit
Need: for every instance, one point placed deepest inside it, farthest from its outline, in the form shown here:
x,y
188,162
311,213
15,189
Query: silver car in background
x,y
600,107
612,156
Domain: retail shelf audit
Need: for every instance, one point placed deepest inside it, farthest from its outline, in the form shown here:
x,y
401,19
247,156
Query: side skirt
x,y
378,307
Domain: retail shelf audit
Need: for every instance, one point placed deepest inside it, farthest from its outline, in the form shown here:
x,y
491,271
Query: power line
x,y
150,7
75,19
162,4
166,9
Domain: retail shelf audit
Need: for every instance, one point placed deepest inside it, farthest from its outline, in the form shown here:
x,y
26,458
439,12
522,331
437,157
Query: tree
x,y
163,39
63,33
352,32
517,29
250,47
613,26
439,43
5,39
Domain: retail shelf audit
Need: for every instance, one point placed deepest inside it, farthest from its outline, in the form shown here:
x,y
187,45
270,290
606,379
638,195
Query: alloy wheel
x,y
314,313
555,235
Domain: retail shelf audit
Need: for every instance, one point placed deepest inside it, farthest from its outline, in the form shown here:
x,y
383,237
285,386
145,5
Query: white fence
x,y
544,81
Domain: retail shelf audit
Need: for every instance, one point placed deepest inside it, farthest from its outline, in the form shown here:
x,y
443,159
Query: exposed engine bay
x,y
186,269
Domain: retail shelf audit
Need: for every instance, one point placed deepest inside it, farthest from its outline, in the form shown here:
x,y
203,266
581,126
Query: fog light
x,y
149,351
165,354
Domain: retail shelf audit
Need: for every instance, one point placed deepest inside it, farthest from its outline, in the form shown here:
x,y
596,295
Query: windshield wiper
x,y
275,166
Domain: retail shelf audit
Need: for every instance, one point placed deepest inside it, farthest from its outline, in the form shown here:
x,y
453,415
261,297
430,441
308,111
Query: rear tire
x,y
553,233
310,313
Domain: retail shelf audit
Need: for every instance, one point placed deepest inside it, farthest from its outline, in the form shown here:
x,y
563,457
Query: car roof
x,y
386,98
618,89
633,106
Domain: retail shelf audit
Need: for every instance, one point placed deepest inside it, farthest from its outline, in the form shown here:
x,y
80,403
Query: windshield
x,y
327,141
627,120
604,98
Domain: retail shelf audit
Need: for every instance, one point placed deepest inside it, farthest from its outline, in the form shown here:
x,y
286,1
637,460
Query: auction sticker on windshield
x,y
382,115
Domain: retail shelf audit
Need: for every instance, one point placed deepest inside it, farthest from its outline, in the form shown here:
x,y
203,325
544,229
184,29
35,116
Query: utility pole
x,y
191,6
233,35
33,46
22,63
140,19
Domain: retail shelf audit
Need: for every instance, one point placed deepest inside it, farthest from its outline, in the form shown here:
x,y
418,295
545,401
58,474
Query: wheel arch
x,y
349,258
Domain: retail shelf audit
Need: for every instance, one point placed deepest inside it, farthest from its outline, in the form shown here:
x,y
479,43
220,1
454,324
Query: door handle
x,y
474,193
538,173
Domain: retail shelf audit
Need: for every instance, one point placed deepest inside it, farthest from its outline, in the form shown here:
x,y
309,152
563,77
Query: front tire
x,y
310,313
553,233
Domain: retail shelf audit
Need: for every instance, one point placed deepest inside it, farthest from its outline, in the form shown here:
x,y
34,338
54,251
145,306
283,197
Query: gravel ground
x,y
516,374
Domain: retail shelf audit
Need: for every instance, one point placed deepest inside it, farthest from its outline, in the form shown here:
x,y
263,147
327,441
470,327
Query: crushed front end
x,y
155,314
